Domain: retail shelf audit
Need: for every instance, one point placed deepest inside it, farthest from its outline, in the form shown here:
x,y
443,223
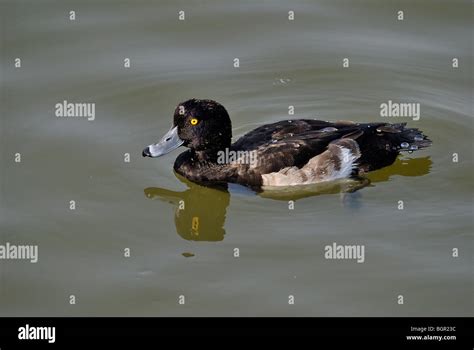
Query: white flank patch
x,y
315,171
347,164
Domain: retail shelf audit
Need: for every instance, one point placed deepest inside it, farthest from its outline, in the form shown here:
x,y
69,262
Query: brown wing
x,y
290,143
277,131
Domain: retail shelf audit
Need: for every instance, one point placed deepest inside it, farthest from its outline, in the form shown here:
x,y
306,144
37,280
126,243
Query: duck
x,y
284,153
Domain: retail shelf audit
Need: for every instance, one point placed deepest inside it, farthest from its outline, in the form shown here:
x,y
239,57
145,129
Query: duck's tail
x,y
402,138
382,143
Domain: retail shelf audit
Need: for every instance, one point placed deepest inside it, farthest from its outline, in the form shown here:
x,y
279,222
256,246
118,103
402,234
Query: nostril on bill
x,y
146,152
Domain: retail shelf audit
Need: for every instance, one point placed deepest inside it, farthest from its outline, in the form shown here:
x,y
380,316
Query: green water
x,y
135,204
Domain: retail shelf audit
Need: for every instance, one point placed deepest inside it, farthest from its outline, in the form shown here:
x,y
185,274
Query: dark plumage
x,y
287,152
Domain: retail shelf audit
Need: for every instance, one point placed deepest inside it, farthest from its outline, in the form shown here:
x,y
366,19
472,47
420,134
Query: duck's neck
x,y
207,156
210,155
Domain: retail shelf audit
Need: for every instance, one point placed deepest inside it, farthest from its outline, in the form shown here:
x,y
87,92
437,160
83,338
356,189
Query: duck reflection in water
x,y
200,211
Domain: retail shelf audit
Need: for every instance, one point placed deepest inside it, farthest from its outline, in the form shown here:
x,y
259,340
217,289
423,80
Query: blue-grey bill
x,y
169,142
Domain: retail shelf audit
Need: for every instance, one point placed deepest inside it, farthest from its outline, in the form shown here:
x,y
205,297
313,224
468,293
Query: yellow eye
x,y
194,121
